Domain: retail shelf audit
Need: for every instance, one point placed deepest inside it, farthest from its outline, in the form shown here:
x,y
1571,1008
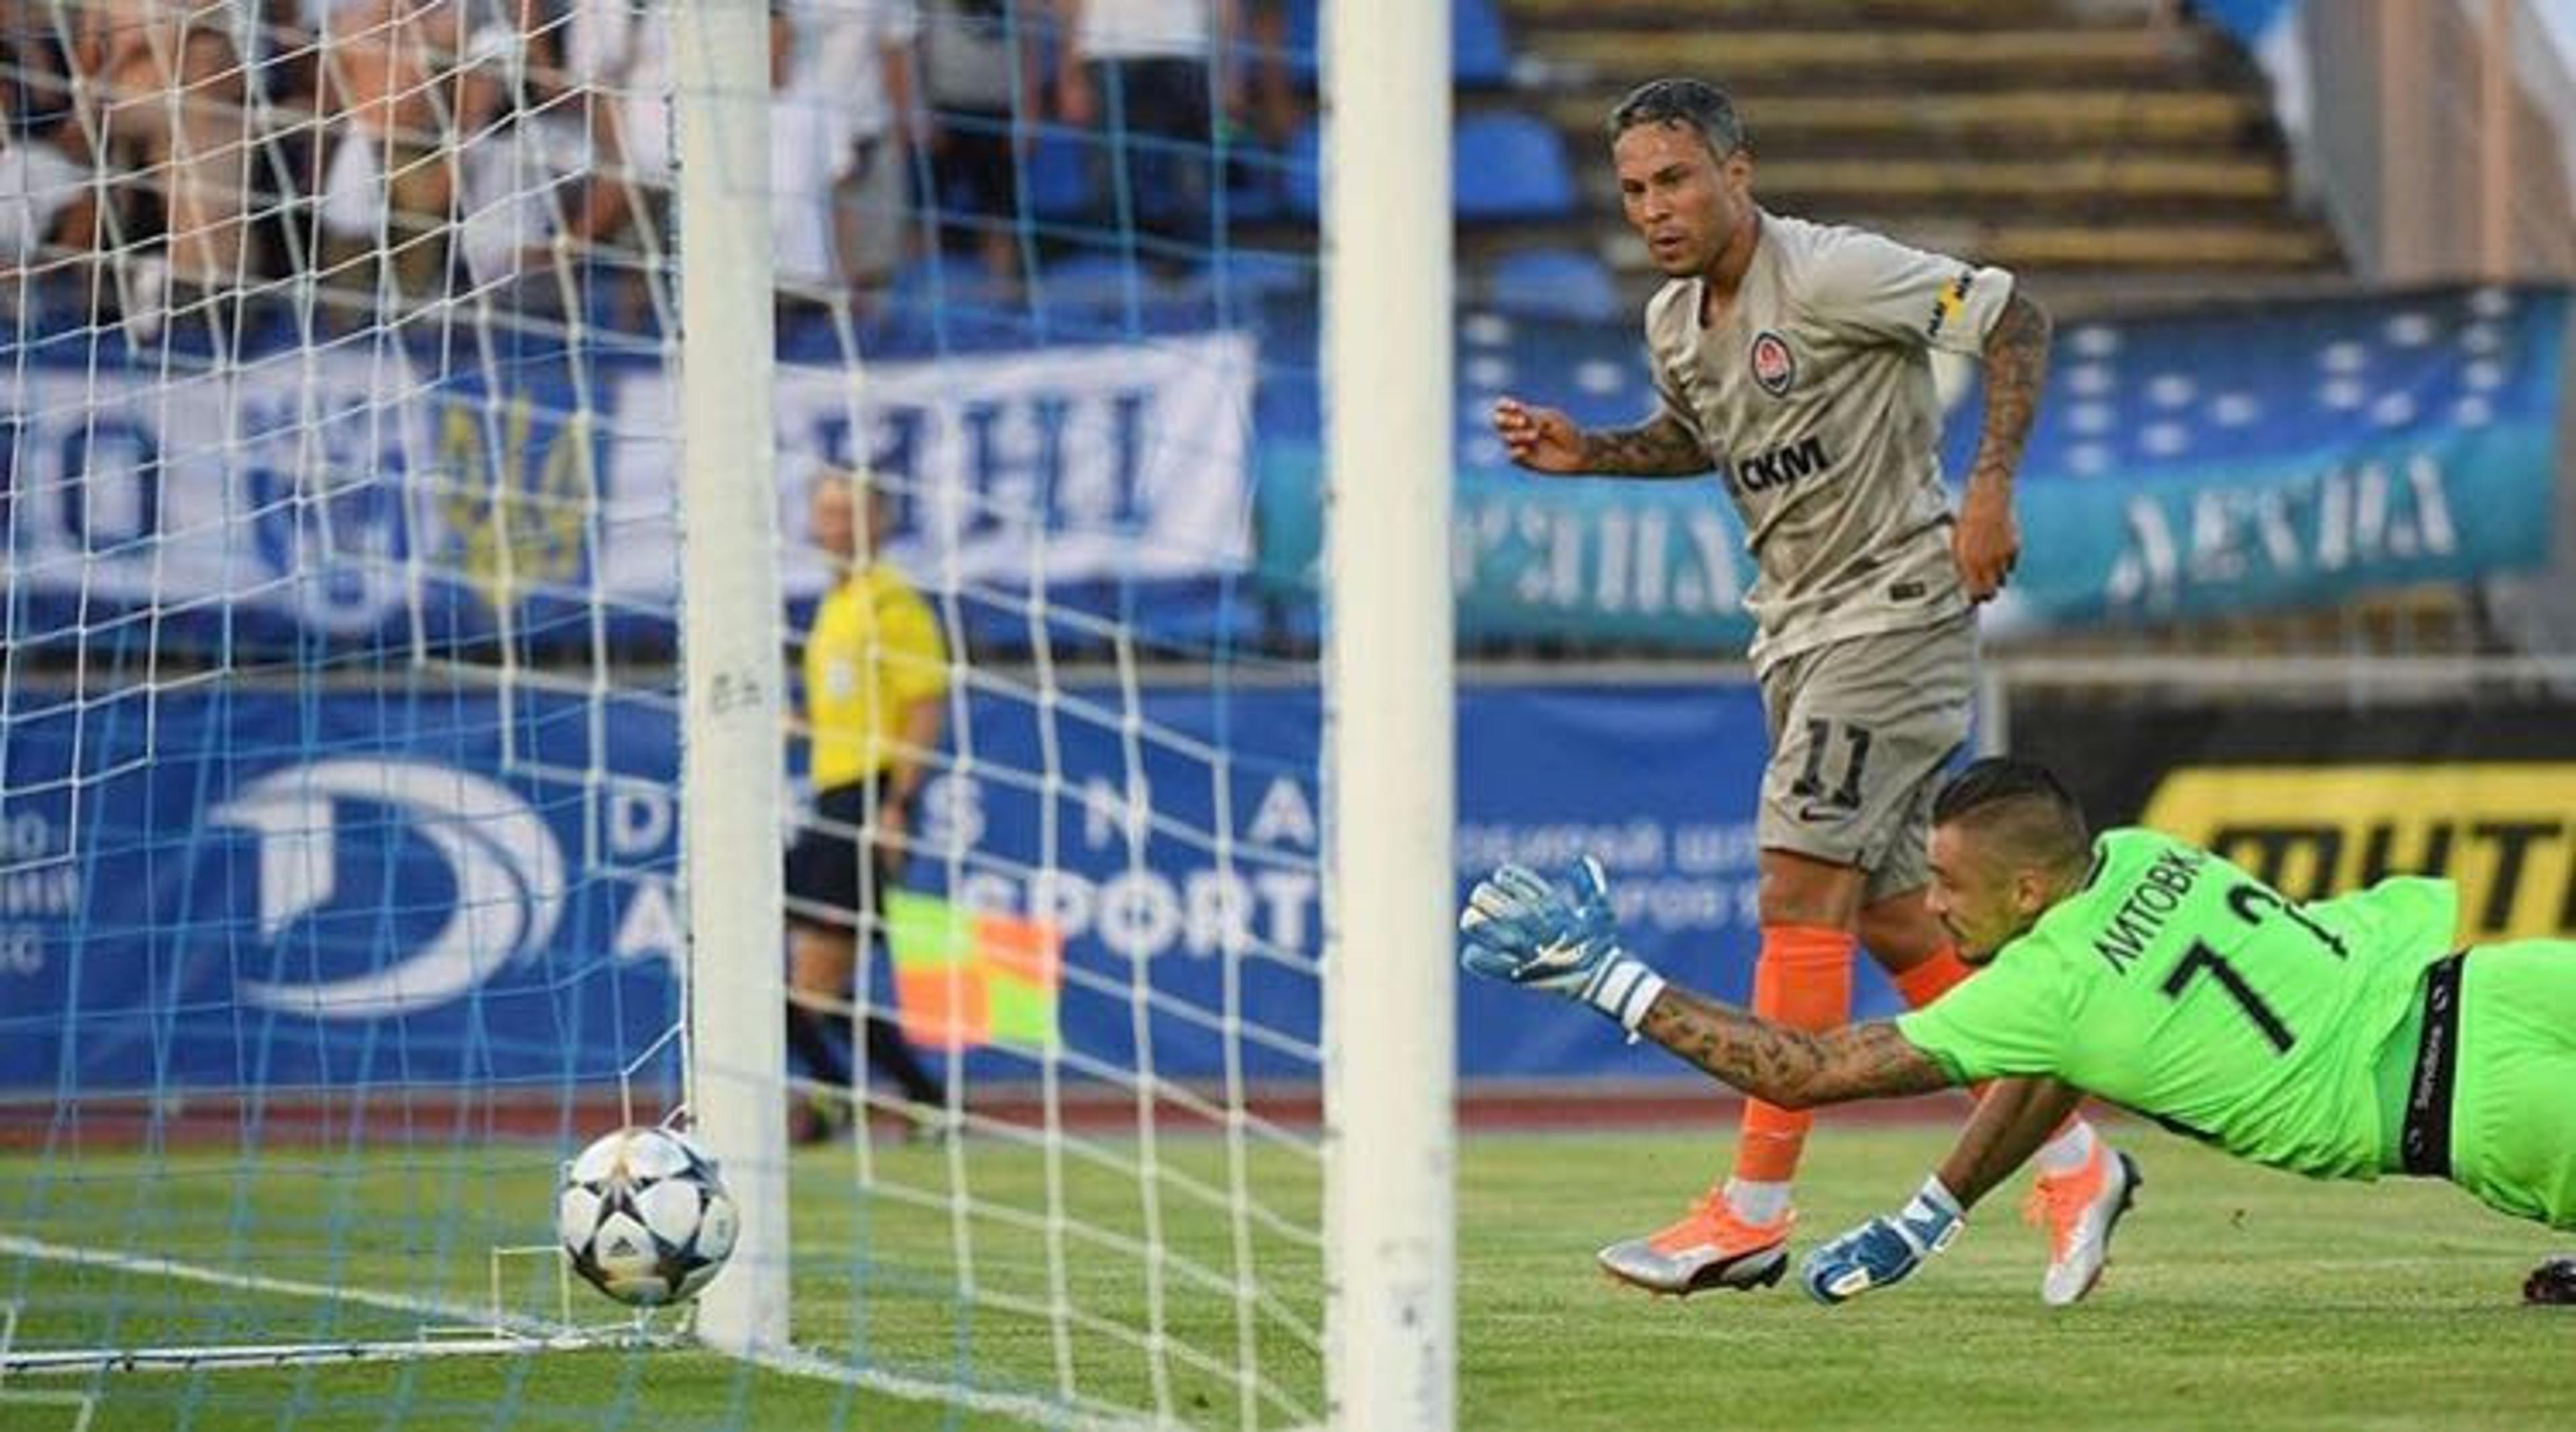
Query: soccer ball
x,y
644,1217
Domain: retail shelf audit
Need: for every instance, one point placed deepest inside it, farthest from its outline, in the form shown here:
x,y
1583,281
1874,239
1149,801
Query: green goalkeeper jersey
x,y
2181,987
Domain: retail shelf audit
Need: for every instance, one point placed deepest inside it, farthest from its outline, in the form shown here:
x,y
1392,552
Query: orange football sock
x,y
1933,978
1803,979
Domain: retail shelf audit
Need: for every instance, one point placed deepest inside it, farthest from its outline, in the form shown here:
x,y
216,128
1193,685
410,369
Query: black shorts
x,y
826,883
974,171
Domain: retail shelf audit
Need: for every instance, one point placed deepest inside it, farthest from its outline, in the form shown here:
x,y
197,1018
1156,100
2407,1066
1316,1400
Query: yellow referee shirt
x,y
874,650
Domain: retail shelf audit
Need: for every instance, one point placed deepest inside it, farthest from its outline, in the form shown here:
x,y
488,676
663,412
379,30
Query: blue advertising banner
x,y
2208,462
250,890
207,889
2197,464
380,494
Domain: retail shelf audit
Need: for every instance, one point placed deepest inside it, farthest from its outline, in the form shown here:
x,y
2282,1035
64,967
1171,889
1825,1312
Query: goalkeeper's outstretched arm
x,y
1793,1068
1796,1069
1521,928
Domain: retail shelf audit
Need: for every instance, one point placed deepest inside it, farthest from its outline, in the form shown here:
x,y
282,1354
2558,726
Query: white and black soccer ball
x,y
644,1217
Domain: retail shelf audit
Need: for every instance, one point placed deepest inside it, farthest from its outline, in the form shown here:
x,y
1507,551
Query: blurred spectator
x,y
619,52
854,66
533,201
1272,91
805,155
1273,110
400,97
980,72
1145,71
167,85
46,201
47,196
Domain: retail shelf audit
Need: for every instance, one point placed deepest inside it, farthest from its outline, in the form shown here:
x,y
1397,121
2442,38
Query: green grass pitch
x,y
2237,1297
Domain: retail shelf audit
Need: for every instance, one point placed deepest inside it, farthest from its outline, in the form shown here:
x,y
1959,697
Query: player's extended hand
x,y
1520,928
1884,1250
1540,439
1986,542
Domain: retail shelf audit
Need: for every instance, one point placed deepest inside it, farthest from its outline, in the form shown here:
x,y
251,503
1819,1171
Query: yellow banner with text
x,y
2506,831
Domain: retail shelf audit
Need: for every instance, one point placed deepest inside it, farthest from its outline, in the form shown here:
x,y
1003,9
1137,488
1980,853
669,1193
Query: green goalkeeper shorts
x,y
2513,1106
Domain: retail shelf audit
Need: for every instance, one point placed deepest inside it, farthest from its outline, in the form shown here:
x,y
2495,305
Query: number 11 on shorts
x,y
1811,779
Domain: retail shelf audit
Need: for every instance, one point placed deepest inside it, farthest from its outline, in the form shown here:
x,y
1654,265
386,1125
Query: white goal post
x,y
1389,997
732,684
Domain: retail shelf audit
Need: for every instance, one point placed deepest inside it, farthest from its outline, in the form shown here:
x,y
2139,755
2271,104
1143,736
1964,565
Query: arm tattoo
x,y
1661,447
1790,1067
2016,358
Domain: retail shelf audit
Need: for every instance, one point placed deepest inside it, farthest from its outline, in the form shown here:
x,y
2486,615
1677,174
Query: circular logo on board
x,y
1774,366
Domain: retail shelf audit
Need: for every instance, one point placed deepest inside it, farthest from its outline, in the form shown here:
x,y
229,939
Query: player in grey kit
x,y
1795,360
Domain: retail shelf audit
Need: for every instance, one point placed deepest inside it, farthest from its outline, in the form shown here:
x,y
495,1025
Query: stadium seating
x,y
1479,51
1505,166
1094,280
1552,283
1510,166
1252,273
1059,183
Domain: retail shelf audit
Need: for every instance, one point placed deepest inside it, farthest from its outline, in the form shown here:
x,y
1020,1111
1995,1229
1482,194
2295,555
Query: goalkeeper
x,y
2343,1039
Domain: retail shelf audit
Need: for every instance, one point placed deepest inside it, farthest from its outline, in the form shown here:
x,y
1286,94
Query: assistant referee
x,y
876,688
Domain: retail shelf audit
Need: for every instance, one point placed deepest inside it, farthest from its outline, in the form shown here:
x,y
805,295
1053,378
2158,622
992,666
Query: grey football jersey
x,y
1813,394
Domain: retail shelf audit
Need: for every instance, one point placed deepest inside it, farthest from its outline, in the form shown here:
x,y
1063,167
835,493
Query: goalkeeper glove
x,y
1883,1250
1520,928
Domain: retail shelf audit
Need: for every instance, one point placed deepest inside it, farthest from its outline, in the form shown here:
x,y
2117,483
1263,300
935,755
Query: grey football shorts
x,y
1862,732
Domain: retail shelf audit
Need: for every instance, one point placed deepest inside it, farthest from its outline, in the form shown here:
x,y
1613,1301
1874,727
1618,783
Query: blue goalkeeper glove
x,y
1520,928
1883,1250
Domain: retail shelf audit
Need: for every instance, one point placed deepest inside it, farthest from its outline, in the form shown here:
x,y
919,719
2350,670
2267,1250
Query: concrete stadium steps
x,y
1828,14
2078,293
2067,137
1921,60
2179,123
2120,243
2148,246
2189,271
2088,181
2099,249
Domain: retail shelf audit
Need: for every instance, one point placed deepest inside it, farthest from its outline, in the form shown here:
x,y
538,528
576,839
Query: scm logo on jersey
x,y
2505,831
1774,366
507,870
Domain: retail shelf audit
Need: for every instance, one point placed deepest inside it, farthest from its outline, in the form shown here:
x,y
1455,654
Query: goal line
x,y
450,1329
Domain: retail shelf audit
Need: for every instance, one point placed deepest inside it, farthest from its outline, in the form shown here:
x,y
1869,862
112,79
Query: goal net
x,y
410,608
